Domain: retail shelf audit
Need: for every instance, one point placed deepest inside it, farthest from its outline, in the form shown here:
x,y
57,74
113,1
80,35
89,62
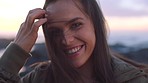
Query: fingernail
x,y
46,15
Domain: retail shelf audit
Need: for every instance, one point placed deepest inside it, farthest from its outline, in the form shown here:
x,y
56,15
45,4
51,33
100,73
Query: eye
x,y
55,32
76,25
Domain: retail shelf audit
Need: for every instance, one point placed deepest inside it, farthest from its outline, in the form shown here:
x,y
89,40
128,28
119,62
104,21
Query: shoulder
x,y
121,67
125,72
41,73
42,67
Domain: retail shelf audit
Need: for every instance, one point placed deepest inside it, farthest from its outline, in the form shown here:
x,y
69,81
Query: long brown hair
x,y
63,72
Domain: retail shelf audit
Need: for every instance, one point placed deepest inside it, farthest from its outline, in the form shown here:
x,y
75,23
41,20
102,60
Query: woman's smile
x,y
74,51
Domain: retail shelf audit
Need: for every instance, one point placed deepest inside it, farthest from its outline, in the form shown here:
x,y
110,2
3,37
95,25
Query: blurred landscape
x,y
127,21
130,46
134,46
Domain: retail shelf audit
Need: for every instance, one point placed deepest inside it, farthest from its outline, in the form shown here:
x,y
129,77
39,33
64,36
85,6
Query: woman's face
x,y
77,28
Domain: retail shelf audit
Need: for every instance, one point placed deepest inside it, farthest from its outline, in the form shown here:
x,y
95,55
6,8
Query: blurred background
x,y
127,24
127,19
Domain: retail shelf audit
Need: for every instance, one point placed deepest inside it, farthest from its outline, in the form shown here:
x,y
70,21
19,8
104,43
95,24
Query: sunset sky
x,y
126,14
121,15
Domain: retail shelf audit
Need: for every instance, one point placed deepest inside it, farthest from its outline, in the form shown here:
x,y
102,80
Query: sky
x,y
127,20
126,14
123,16
13,13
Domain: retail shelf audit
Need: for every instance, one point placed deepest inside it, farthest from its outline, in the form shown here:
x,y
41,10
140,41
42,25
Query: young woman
x,y
75,35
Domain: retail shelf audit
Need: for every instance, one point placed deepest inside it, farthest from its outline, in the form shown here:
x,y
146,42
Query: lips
x,y
73,50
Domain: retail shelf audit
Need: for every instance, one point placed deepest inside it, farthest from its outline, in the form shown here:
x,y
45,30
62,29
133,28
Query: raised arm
x,y
18,51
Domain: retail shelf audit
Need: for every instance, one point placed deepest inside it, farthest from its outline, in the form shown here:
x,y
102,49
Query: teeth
x,y
74,50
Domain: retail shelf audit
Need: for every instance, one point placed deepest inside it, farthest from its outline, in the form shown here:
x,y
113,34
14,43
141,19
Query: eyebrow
x,y
73,20
67,22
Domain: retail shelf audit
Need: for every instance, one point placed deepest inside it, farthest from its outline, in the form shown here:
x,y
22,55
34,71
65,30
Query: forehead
x,y
64,10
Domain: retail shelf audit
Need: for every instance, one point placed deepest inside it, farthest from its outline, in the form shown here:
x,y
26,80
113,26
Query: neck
x,y
86,71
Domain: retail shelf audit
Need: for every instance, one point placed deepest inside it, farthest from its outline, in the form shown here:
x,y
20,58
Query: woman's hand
x,y
28,32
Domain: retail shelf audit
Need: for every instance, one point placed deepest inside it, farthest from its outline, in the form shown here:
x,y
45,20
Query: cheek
x,y
91,40
88,37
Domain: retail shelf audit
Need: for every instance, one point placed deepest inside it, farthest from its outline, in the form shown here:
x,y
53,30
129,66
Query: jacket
x,y
14,58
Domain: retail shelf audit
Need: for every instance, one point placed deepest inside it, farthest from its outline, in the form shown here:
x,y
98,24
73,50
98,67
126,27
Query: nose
x,y
68,39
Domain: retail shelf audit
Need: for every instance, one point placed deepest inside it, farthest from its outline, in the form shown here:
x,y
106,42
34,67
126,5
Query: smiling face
x,y
77,28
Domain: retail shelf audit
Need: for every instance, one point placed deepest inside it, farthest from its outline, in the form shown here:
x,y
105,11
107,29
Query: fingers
x,y
37,24
34,14
28,32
